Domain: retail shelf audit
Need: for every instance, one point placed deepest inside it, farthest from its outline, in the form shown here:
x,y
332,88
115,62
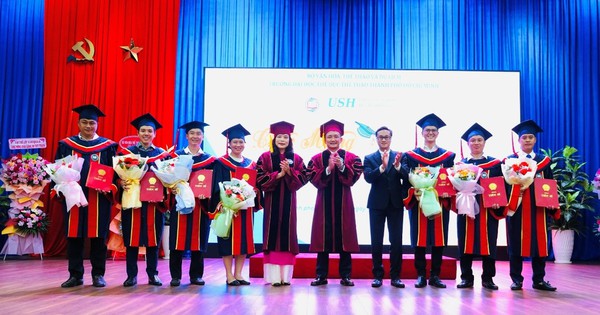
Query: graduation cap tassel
x,y
415,136
176,140
461,150
512,142
271,149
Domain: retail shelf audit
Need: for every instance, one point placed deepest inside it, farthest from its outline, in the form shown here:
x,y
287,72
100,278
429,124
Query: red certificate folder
x,y
546,193
201,182
100,177
443,184
494,191
152,189
247,174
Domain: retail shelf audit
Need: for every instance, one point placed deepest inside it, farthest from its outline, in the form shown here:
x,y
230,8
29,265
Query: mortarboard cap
x,y
89,111
194,125
146,120
282,127
527,127
332,125
476,130
236,132
431,120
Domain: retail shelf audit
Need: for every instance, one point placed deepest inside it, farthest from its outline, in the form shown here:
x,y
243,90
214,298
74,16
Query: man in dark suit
x,y
382,170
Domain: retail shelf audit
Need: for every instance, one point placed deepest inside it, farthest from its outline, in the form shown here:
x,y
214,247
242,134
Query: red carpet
x,y
361,266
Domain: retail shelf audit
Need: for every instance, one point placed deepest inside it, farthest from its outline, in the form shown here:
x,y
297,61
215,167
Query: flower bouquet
x,y
596,183
235,194
520,172
25,177
66,173
29,222
174,174
423,180
464,178
130,168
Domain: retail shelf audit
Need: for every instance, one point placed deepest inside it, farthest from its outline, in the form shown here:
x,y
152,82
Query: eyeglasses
x,y
384,137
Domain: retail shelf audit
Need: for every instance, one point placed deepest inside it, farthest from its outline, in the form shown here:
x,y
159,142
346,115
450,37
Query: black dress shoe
x,y
347,282
98,281
318,281
72,282
465,284
490,285
276,284
175,282
243,282
544,286
130,282
197,281
421,283
155,280
234,283
397,283
376,283
517,285
435,281
286,283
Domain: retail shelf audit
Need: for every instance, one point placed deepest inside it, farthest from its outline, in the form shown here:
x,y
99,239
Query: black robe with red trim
x,y
479,235
91,221
191,231
143,226
527,228
280,220
334,223
241,239
423,231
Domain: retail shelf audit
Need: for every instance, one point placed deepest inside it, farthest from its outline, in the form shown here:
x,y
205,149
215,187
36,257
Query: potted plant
x,y
575,196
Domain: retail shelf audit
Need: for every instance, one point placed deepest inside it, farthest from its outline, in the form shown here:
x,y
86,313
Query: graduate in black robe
x,y
527,228
478,236
143,226
240,241
281,173
423,231
91,221
191,231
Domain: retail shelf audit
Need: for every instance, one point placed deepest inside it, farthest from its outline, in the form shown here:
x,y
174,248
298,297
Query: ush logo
x,y
341,102
312,104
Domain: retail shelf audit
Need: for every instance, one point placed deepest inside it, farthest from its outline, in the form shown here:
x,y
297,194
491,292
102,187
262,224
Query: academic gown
x,y
91,221
479,235
334,223
280,217
143,226
191,231
527,228
241,239
425,232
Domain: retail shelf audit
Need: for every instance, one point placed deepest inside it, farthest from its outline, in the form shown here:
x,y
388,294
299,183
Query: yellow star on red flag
x,y
132,51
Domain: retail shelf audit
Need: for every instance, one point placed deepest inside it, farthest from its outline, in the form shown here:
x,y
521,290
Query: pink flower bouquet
x,y
464,178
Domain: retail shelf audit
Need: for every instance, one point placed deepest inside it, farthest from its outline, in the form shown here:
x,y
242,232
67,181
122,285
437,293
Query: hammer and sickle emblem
x,y
87,55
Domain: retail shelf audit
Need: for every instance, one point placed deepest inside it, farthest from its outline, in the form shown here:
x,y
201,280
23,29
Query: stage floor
x,y
31,286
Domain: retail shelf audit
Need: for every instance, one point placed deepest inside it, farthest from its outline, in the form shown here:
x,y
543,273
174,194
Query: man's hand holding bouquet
x,y
174,174
130,168
519,172
66,173
235,194
423,180
464,178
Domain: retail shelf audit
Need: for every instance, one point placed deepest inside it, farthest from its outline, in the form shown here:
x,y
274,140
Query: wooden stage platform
x,y
31,286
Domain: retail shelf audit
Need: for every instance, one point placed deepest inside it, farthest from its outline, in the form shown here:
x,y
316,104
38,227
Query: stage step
x,y
361,266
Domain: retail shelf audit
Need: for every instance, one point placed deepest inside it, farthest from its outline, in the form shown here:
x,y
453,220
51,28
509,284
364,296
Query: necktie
x,y
385,156
528,156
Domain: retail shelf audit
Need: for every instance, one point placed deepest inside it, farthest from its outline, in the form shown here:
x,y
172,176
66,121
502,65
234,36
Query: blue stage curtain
x,y
21,70
554,44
